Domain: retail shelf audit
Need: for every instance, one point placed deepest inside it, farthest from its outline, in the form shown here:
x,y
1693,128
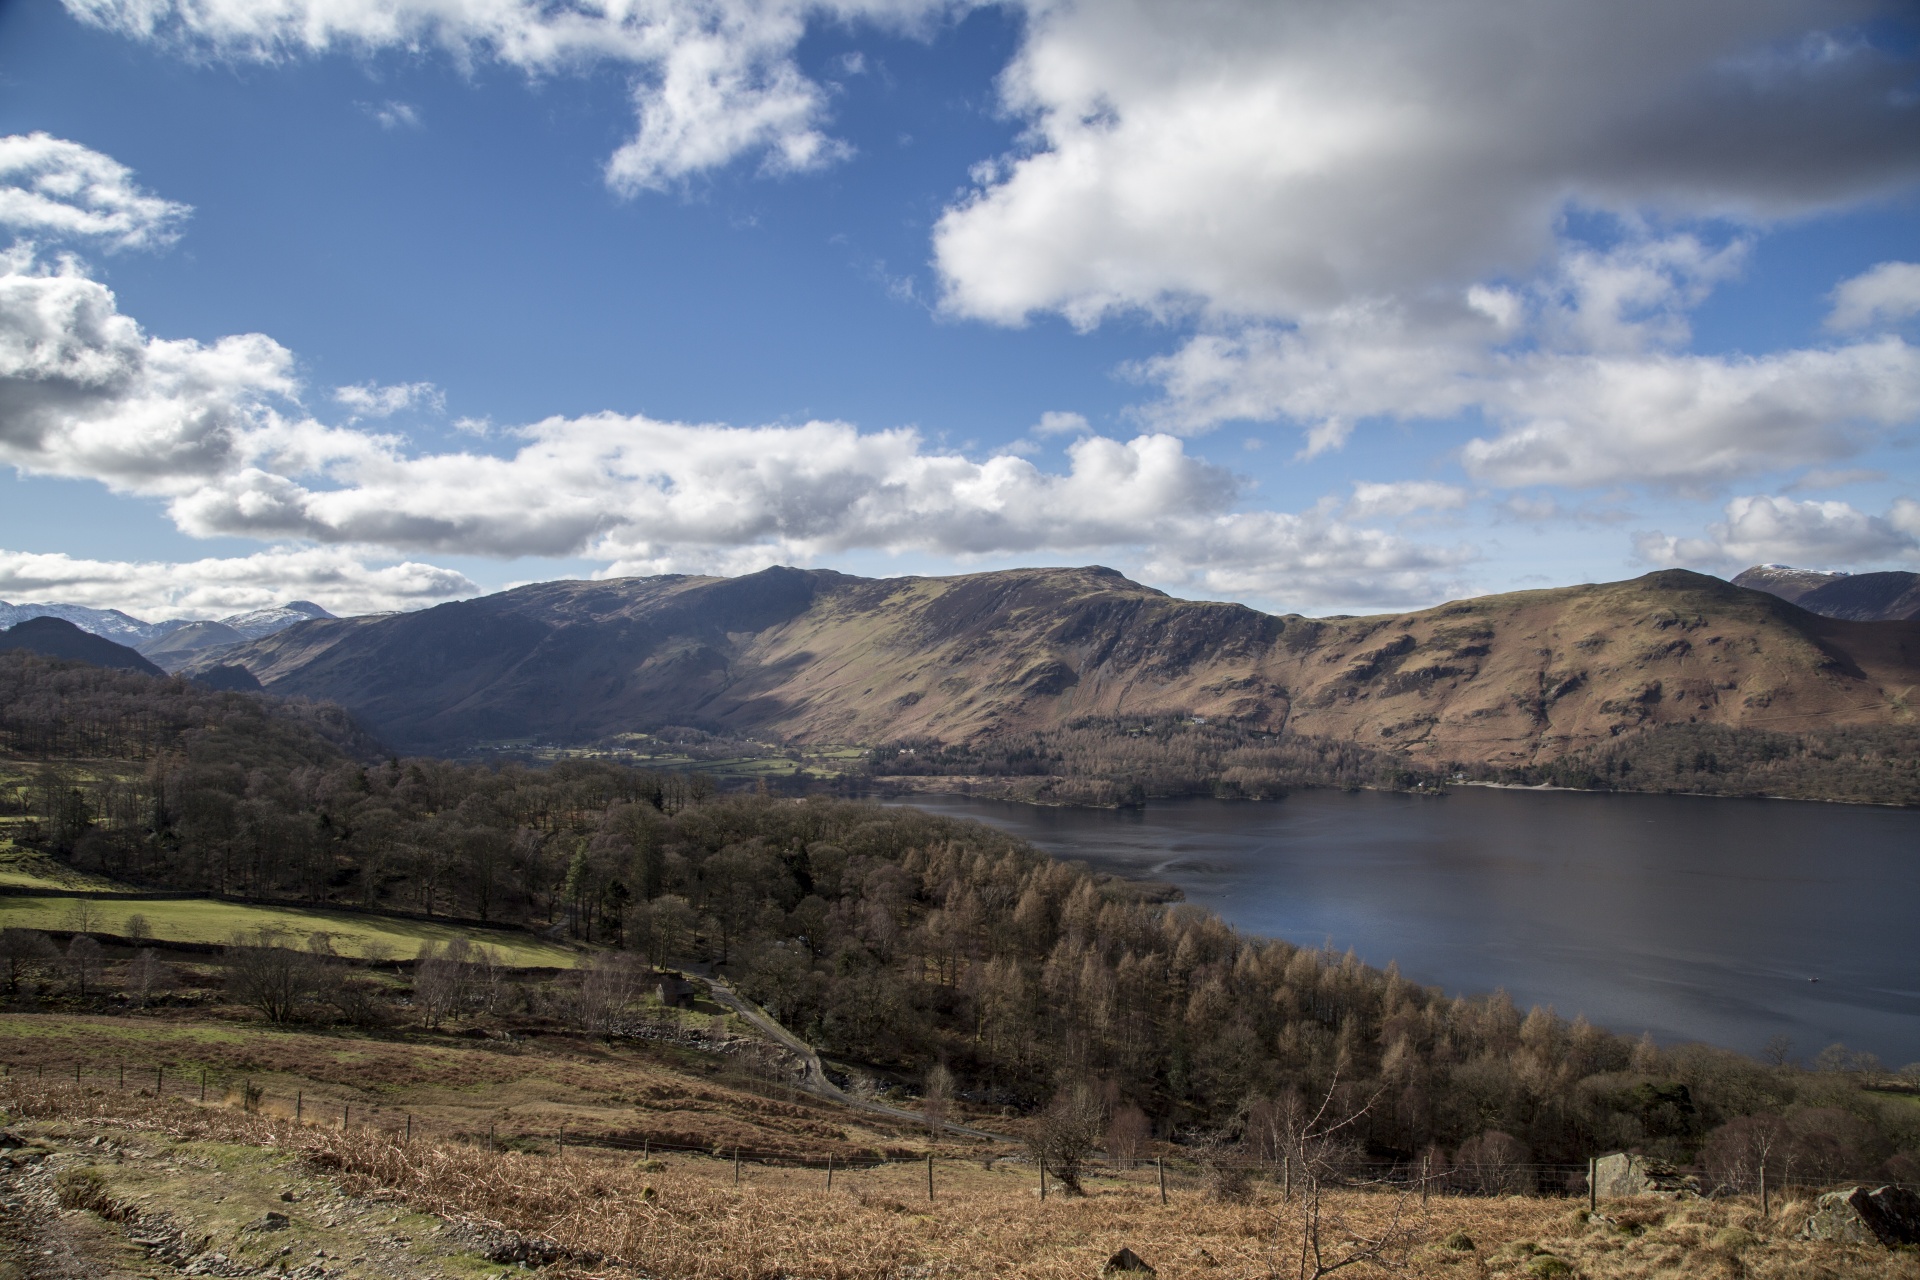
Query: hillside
x,y
58,638
817,656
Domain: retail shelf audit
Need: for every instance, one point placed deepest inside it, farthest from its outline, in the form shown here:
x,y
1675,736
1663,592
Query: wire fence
x,y
1171,1171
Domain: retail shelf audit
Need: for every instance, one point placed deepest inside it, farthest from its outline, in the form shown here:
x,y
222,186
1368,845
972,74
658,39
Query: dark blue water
x,y
1692,918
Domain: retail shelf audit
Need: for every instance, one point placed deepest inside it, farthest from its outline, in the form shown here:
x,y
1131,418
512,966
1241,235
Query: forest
x,y
893,938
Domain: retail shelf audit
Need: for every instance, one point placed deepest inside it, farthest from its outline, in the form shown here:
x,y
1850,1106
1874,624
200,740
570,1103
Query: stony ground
x,y
94,1201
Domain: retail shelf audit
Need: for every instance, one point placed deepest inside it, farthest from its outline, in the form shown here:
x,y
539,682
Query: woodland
x,y
922,947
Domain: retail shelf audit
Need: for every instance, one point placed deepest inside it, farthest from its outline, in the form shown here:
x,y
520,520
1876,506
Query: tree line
x,y
909,942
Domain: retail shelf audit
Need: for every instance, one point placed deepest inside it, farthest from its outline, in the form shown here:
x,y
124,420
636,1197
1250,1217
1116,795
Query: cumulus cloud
x,y
1887,294
334,577
716,79
217,432
1761,529
53,189
371,400
84,392
1269,160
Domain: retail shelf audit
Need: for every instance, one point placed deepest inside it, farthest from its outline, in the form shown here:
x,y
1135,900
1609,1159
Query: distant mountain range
x,y
171,644
1861,597
814,655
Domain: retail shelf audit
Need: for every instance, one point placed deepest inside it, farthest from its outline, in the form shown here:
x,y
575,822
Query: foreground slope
x,y
822,656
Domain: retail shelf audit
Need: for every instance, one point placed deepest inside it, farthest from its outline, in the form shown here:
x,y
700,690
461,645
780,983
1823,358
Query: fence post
x,y
1593,1189
123,1073
1763,1186
829,1170
299,1104
929,1179
76,1073
1160,1167
409,1126
159,1081
489,1139
1426,1164
1043,1179
736,1166
203,1084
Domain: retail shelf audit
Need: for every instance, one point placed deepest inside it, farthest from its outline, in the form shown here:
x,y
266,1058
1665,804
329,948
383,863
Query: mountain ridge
x,y
819,656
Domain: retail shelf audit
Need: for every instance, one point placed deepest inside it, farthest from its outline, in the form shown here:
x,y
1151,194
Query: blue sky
x,y
1330,308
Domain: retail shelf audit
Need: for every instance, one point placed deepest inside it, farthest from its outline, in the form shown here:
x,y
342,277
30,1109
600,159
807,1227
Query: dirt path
x,y
815,1080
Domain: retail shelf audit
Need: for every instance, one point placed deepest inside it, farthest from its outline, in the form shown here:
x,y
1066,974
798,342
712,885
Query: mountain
x,y
173,649
57,638
264,622
123,628
1784,580
819,656
1860,597
119,627
1868,597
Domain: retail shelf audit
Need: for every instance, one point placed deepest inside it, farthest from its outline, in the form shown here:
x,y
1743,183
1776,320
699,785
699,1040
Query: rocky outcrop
x,y
1621,1175
1886,1216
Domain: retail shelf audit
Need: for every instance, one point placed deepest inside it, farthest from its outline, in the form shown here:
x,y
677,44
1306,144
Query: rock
x,y
1854,1215
1126,1263
1621,1174
269,1221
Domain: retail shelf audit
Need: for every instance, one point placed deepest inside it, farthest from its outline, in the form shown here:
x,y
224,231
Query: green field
x,y
201,920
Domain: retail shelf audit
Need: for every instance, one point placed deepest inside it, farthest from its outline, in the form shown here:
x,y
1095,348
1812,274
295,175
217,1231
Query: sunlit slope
x,y
826,657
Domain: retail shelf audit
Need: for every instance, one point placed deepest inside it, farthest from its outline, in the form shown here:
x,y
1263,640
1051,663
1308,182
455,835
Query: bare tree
x,y
147,976
610,984
23,953
275,980
1492,1164
136,929
84,960
1323,1240
1066,1133
1127,1134
936,1098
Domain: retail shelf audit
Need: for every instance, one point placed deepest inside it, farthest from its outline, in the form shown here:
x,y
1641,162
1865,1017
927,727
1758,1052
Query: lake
x,y
1690,917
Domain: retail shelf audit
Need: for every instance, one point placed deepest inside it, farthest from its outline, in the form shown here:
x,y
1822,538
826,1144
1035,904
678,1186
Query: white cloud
x,y
1760,529
1402,498
58,190
1686,421
1306,560
1279,161
215,430
1577,373
716,79
392,115
371,400
83,392
1887,294
336,578
1056,423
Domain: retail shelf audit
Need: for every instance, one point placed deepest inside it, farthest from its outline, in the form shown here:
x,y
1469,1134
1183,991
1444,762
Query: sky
x,y
1327,306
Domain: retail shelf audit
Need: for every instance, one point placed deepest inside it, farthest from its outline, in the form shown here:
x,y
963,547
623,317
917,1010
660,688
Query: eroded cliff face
x,y
825,657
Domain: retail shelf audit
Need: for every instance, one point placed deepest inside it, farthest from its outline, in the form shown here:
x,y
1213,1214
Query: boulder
x,y
1854,1215
1126,1263
1622,1174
